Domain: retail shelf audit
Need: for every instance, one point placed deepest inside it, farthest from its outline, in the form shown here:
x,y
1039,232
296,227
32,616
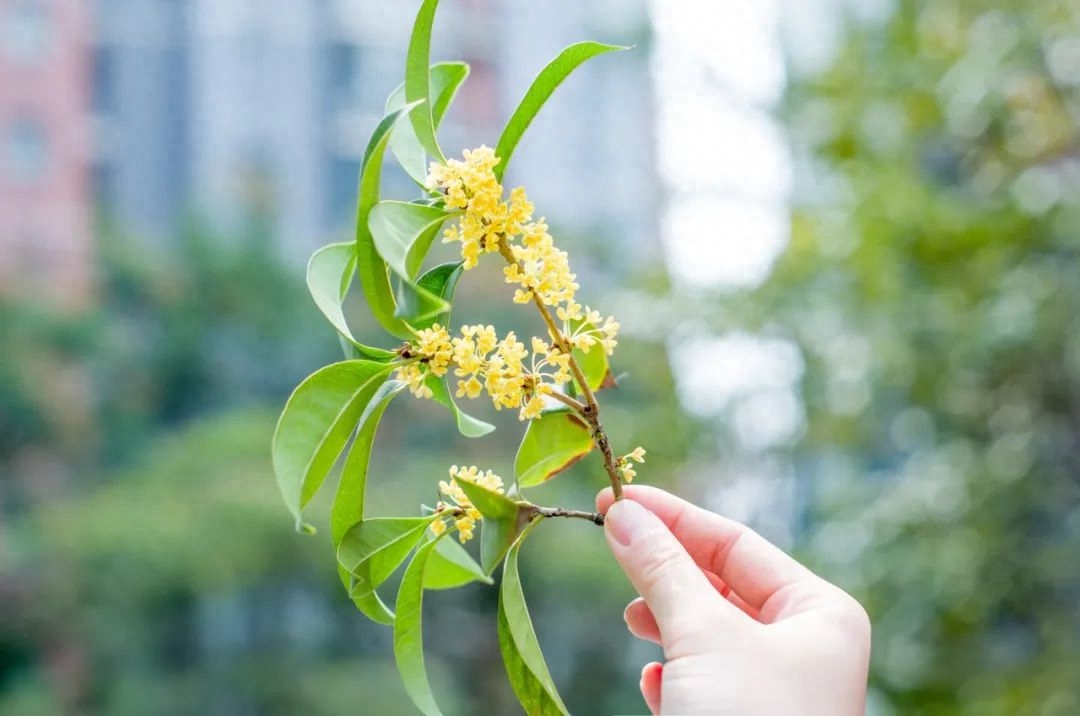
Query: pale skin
x,y
745,628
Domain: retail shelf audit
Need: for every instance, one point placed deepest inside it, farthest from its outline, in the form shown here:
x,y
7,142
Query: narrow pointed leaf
x,y
552,443
403,233
503,521
491,504
408,634
445,79
348,506
329,273
373,549
525,665
417,79
538,93
450,565
467,425
316,423
369,265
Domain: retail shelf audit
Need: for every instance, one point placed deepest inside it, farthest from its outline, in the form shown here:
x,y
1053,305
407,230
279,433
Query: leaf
x,y
538,93
403,233
329,273
467,425
552,443
503,522
373,549
418,306
441,281
316,423
372,269
445,78
529,676
348,506
594,364
417,79
450,565
408,636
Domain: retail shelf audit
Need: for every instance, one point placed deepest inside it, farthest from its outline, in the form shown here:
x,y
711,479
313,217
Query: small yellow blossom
x,y
432,352
413,376
625,464
465,514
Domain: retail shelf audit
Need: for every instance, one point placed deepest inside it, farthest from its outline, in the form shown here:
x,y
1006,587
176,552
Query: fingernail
x,y
625,519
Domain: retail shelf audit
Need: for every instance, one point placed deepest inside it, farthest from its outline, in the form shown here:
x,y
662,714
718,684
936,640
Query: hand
x,y
745,628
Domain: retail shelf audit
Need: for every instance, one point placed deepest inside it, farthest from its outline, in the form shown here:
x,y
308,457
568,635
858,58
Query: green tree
x,y
932,286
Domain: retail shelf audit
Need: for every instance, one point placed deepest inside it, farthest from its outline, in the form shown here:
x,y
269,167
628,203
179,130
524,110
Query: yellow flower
x,y
625,464
413,375
434,345
465,514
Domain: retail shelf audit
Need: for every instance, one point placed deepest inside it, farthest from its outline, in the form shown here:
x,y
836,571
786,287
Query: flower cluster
x,y
471,188
458,505
487,224
513,377
626,464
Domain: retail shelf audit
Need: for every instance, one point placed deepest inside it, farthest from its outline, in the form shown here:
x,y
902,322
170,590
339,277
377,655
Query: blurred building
x,y
232,109
45,204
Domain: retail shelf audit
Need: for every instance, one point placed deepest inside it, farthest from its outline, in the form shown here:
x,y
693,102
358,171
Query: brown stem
x,y
595,517
590,410
565,399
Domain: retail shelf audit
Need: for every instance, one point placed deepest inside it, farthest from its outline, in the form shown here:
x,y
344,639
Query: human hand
x,y
744,627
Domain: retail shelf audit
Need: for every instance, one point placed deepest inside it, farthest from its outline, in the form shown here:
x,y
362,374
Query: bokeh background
x,y
841,235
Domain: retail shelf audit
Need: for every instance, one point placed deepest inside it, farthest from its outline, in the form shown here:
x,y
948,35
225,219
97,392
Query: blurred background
x,y
841,236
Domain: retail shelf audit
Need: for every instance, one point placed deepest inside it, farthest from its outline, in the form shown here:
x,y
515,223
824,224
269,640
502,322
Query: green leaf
x,y
417,79
329,273
445,78
552,443
525,665
441,281
491,504
467,425
594,364
408,635
372,269
373,549
316,423
538,93
418,306
348,506
503,521
450,565
403,234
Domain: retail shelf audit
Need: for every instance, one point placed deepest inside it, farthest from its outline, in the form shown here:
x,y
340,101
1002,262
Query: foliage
x,y
552,383
931,285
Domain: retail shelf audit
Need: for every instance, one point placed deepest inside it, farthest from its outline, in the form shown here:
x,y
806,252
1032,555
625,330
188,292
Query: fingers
x,y
651,677
680,596
753,567
641,622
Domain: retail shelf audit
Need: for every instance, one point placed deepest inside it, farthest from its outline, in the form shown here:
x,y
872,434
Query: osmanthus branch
x,y
546,512
595,517
590,409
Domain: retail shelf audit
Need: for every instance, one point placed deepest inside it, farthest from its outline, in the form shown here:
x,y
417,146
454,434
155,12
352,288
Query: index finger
x,y
753,567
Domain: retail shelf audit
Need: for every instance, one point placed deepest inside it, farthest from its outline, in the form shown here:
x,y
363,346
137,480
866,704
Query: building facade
x,y
45,199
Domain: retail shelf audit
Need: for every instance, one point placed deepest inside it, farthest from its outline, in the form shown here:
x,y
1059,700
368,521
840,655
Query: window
x,y
26,30
26,151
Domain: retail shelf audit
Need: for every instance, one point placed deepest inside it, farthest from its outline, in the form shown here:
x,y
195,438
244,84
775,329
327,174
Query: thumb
x,y
676,590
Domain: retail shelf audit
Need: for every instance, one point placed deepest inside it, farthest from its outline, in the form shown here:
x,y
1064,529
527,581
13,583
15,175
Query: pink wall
x,y
45,218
